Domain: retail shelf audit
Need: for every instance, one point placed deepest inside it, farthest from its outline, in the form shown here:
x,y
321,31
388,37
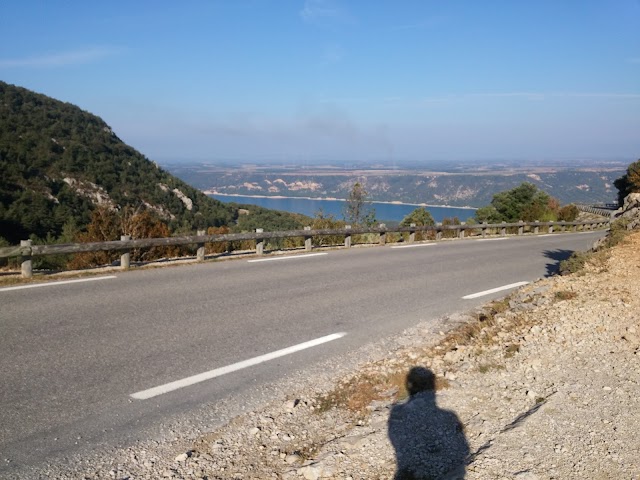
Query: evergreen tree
x,y
420,216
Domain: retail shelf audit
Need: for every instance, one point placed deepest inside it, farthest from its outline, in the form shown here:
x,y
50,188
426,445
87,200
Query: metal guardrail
x,y
605,210
26,250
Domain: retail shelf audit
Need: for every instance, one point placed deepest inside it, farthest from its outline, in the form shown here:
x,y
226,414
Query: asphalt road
x,y
72,354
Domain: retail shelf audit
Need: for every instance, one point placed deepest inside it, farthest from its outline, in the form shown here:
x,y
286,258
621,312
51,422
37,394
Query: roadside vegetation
x,y
596,257
355,393
67,178
420,217
527,203
627,184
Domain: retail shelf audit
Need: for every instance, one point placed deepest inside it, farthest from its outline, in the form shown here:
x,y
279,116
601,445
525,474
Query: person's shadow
x,y
429,441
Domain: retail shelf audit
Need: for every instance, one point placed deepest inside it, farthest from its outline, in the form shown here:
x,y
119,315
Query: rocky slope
x,y
545,384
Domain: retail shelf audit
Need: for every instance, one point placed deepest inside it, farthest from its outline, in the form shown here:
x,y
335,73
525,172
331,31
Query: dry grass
x,y
511,350
488,367
565,295
357,393
354,394
596,262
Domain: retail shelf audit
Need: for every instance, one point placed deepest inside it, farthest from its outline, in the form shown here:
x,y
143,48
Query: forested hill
x,y
58,163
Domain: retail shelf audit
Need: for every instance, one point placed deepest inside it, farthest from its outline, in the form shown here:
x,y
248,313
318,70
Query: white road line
x,y
53,284
290,257
558,234
494,290
414,245
201,377
491,239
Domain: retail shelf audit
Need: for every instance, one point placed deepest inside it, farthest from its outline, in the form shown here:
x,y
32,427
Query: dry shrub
x,y
487,367
356,393
217,247
108,225
565,295
326,222
144,224
104,226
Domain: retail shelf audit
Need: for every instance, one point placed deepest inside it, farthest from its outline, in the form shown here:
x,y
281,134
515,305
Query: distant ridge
x,y
466,186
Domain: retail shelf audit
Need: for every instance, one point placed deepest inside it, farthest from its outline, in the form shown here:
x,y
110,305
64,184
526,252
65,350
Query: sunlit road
x,y
73,354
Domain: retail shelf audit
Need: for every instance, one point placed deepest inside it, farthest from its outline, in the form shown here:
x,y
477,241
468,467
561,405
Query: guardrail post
x,y
484,229
347,237
575,228
27,263
307,241
438,231
520,227
125,257
461,233
503,231
551,228
383,234
412,234
536,228
200,251
259,242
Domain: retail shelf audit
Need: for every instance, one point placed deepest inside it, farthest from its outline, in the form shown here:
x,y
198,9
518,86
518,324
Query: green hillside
x,y
59,163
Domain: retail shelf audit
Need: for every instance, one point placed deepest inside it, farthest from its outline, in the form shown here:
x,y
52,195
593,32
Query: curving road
x,y
85,363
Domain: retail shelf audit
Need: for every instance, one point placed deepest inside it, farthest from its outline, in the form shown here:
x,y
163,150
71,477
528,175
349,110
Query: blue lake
x,y
384,211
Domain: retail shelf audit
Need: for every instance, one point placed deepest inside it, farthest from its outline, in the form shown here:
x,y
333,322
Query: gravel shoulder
x,y
543,385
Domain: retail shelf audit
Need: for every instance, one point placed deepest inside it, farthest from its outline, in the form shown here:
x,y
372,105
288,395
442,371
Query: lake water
x,y
384,211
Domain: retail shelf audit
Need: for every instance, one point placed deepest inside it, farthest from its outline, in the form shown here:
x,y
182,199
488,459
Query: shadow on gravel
x,y
557,256
429,441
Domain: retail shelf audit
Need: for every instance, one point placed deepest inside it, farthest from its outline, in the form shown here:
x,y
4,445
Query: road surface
x,y
99,362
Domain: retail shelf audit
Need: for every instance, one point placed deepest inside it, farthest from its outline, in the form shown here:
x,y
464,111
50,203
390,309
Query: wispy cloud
x,y
530,96
61,59
527,95
389,100
597,95
319,11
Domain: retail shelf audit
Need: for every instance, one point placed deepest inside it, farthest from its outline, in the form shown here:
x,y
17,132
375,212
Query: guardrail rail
x,y
26,250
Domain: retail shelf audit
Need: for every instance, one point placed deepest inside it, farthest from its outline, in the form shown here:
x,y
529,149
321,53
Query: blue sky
x,y
360,80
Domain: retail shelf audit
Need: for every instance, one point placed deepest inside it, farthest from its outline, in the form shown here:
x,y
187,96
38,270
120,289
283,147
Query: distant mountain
x,y
474,187
58,162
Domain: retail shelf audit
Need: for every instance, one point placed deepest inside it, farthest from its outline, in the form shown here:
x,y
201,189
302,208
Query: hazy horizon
x,y
327,80
407,164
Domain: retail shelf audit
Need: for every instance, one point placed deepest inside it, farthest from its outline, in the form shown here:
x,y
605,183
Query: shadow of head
x,y
420,379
